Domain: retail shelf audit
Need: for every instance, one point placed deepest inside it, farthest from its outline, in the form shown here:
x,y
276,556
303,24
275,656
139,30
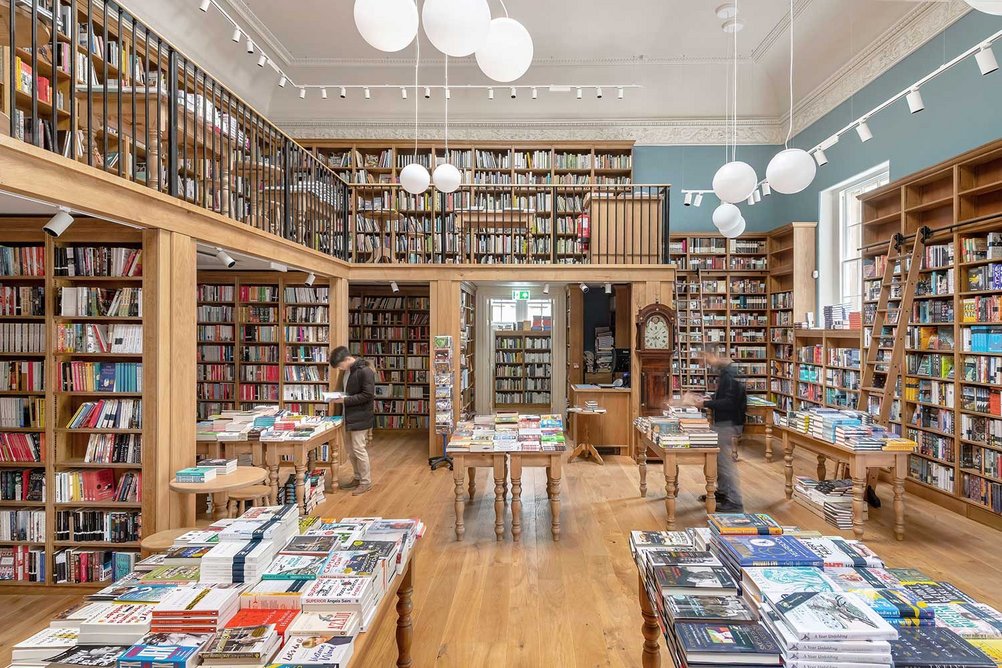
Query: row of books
x,y
101,302
22,261
101,376
98,261
97,485
120,338
109,526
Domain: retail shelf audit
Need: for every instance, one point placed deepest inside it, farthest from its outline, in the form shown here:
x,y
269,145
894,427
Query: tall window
x,y
504,311
539,308
850,219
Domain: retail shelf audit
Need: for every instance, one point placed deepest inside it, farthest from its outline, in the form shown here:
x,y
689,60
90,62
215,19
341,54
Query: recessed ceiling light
x,y
728,10
731,26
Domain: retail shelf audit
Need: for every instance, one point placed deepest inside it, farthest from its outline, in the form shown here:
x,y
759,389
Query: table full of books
x,y
508,431
267,588
746,591
848,428
678,428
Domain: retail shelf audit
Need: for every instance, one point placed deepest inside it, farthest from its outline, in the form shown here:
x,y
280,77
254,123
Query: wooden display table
x,y
401,588
859,462
244,476
584,448
471,461
552,461
764,427
651,629
671,459
301,457
612,432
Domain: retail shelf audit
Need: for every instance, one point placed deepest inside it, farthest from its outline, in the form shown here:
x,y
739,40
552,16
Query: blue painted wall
x,y
963,111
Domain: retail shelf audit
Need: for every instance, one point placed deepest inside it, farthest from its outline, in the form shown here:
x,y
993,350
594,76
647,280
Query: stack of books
x,y
830,500
195,609
509,432
177,650
245,645
222,466
195,474
280,618
335,595
237,561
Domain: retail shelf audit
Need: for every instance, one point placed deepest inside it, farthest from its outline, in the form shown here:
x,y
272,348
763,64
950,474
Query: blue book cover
x,y
895,603
917,647
712,642
769,551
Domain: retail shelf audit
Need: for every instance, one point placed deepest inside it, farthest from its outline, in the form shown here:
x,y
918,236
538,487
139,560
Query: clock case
x,y
655,365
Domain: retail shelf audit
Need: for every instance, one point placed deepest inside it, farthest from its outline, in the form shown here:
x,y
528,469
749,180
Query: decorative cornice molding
x,y
897,43
538,63
248,19
777,31
678,132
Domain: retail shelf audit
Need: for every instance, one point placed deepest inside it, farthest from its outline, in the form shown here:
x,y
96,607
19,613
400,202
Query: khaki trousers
x,y
359,456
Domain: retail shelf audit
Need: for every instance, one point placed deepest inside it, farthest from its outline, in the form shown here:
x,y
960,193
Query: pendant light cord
x,y
789,132
447,108
734,100
417,98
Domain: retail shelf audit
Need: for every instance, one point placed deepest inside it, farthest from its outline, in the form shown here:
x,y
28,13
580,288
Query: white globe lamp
x,y
507,52
457,28
725,216
446,178
987,6
734,182
735,231
388,25
791,171
415,178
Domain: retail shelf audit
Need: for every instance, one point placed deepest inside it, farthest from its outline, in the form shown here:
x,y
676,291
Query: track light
x,y
490,93
448,94
394,287
757,195
751,200
915,102
820,158
310,278
546,288
236,35
863,130
278,266
323,93
766,189
598,93
698,200
608,288
205,5
535,93
427,93
368,94
343,93
514,93
688,199
262,61
225,258
302,93
584,287
282,80
403,93
620,93
59,223
986,59
250,45
580,93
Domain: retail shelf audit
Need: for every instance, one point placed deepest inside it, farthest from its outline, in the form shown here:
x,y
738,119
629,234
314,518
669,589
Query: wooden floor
x,y
573,603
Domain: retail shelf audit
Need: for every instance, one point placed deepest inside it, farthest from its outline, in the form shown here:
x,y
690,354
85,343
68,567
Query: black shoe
x,y
730,508
871,497
717,495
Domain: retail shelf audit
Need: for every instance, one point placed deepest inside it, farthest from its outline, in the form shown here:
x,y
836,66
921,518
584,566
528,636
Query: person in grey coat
x,y
359,419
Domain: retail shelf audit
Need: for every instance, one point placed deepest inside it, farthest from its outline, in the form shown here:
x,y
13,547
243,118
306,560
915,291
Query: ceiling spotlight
x,y
490,93
448,94
427,92
608,288
403,93
302,93
580,94
757,195
278,266
915,102
343,93
282,80
59,223
766,188
262,61
687,201
513,93
225,258
863,130
310,278
598,93
368,95
394,287
820,158
584,287
986,59
546,288
535,93
205,5
751,200
323,93
250,45
236,35
699,200
620,93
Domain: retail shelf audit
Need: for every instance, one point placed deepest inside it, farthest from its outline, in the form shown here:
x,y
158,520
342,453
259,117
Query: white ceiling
x,y
675,49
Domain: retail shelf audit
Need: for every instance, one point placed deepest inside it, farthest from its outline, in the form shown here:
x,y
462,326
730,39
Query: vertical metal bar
x,y
146,102
168,91
104,84
121,90
12,70
287,190
133,80
54,83
91,140
36,123
172,102
665,225
74,37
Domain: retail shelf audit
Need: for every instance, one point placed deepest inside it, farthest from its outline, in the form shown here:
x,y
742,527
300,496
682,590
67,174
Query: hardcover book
x,y
832,616
342,623
715,609
969,620
329,651
90,656
351,563
294,567
727,644
921,647
169,650
936,592
171,575
744,524
658,557
710,580
245,644
768,551
772,583
281,619
862,578
315,546
895,603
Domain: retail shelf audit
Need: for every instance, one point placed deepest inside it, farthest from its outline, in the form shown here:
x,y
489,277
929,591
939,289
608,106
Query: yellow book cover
x,y
990,646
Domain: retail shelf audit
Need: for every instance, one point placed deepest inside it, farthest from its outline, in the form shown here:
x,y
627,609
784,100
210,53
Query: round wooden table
x,y
218,487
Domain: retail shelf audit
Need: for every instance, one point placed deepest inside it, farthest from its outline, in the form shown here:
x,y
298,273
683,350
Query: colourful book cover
x,y
917,647
772,582
294,567
709,643
832,616
744,524
895,603
768,551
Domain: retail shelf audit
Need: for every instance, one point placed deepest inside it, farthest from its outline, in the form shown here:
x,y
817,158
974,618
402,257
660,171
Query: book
x,y
969,620
895,603
241,645
294,567
333,594
281,619
832,616
275,594
772,583
743,524
95,656
45,644
171,575
658,557
317,546
342,623
727,644
992,647
921,647
330,651
164,650
709,580
698,608
776,550
351,563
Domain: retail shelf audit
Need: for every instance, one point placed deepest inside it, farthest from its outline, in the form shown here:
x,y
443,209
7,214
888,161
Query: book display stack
x,y
811,601
522,370
830,500
679,428
849,428
392,333
509,432
194,617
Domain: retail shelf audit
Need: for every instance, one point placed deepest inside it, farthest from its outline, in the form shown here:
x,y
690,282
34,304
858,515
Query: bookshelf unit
x,y
948,399
392,331
523,370
263,338
467,352
826,368
722,288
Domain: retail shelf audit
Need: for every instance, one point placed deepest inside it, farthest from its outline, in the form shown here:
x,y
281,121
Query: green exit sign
x,y
520,295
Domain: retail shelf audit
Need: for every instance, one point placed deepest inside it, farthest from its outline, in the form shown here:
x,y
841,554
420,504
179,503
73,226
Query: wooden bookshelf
x,y
948,398
467,352
391,330
263,338
826,368
523,370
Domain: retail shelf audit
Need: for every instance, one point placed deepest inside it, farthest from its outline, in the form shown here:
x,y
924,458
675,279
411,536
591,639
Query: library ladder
x,y
889,329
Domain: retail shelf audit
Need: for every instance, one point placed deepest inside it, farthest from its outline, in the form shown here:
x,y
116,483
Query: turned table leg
x,y
710,471
768,440
405,624
506,478
900,471
642,463
788,464
516,498
301,488
273,479
472,473
554,470
671,488
499,471
549,482
822,467
651,630
457,475
858,473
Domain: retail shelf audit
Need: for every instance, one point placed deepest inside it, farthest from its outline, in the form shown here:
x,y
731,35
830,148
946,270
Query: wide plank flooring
x,y
572,603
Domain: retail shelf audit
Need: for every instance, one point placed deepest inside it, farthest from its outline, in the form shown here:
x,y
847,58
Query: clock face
x,y
656,334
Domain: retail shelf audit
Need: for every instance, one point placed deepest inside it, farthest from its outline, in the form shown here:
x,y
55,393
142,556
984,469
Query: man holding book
x,y
359,418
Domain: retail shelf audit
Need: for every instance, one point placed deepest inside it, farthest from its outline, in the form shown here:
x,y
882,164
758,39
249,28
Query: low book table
x,y
671,459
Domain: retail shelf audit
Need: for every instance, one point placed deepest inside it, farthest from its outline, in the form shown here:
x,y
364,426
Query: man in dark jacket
x,y
730,406
359,390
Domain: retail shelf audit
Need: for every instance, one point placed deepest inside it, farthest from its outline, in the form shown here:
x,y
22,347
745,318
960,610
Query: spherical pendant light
x,y
388,25
736,230
446,178
457,28
791,171
415,178
987,6
725,216
507,52
734,182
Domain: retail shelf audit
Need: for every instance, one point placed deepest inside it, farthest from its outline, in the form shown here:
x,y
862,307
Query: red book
x,y
256,617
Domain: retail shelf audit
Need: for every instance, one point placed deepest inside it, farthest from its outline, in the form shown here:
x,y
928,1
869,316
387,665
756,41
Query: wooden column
x,y
445,320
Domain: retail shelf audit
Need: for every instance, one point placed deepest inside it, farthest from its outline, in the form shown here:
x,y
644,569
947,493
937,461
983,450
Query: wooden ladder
x,y
888,333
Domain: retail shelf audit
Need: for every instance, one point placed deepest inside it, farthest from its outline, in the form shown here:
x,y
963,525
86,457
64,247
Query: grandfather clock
x,y
655,349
